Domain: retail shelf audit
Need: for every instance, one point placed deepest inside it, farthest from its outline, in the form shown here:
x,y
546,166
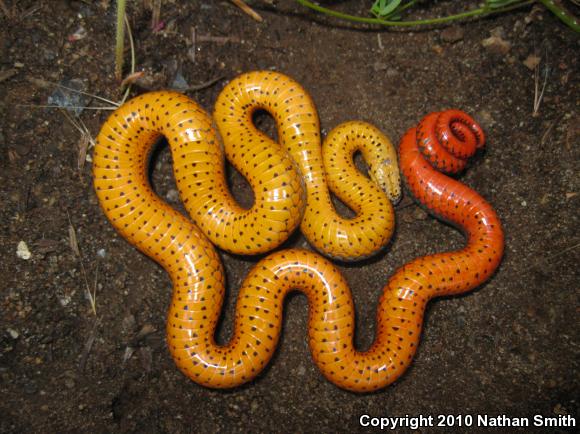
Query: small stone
x,y
254,406
13,333
22,251
498,32
419,214
560,410
437,49
179,83
64,300
453,34
128,324
485,119
407,218
391,73
380,66
102,253
172,195
532,61
30,388
497,45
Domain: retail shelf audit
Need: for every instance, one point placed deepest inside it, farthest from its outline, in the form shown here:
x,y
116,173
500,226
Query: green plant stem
x,y
441,20
120,39
562,14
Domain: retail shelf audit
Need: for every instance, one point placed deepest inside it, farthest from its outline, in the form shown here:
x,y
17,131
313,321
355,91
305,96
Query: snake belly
x,y
182,248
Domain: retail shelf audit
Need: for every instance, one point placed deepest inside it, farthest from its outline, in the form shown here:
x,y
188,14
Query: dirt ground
x,y
510,347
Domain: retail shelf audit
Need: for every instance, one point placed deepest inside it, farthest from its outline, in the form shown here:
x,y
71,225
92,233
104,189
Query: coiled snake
x,y
288,181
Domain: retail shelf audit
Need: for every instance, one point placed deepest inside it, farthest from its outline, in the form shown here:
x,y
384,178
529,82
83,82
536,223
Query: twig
x,y
193,48
131,78
155,15
539,93
561,252
204,85
92,295
45,83
5,9
68,107
247,10
132,45
8,73
88,346
548,130
84,142
218,39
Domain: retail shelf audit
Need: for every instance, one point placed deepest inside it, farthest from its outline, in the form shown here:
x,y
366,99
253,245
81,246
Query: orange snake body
x,y
186,251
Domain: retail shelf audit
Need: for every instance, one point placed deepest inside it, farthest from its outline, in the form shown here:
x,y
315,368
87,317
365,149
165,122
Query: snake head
x,y
385,174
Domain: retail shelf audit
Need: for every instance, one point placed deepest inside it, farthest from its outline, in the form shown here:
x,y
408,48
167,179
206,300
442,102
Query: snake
x,y
288,192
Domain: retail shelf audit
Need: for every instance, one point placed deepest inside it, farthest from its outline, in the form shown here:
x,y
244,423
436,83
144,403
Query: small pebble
x,y
437,49
532,61
129,323
102,253
64,300
419,214
452,34
13,333
254,406
22,251
172,195
497,45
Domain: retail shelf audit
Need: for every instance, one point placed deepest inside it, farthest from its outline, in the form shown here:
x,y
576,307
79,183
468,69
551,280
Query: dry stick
x,y
204,85
8,73
88,346
561,252
76,250
5,9
45,83
218,39
248,10
83,142
68,107
155,14
193,44
132,45
539,95
549,129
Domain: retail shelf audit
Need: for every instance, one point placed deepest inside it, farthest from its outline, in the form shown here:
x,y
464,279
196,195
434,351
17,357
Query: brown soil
x,y
510,347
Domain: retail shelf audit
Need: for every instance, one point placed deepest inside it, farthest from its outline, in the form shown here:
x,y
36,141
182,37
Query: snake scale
x,y
290,180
